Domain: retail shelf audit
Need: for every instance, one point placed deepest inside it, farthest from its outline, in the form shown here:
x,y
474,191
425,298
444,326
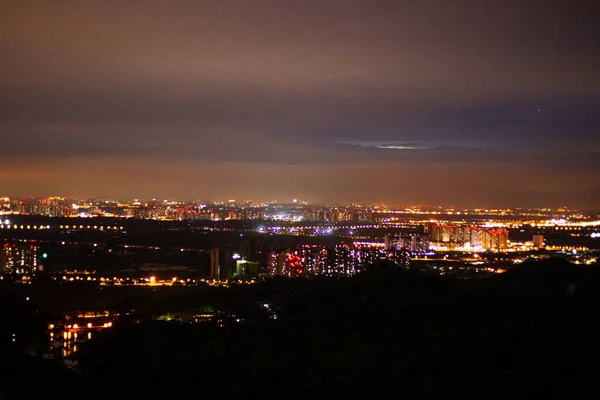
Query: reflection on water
x,y
65,343
65,336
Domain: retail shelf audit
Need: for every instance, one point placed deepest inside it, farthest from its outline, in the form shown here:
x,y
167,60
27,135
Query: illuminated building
x,y
476,238
5,205
399,256
294,264
52,207
538,241
414,243
468,237
240,267
277,262
16,259
495,239
306,260
215,267
244,267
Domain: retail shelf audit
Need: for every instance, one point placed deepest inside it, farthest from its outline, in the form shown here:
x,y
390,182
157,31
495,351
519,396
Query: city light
x,y
296,199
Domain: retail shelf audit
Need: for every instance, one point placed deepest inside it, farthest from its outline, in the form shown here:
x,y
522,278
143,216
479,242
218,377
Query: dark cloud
x,y
334,87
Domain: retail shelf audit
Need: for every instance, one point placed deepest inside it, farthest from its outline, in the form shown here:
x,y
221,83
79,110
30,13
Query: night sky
x,y
484,103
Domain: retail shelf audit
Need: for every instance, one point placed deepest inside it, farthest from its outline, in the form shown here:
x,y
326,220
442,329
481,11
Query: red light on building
x,y
295,264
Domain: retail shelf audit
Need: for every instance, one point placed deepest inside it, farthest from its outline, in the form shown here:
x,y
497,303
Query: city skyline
x,y
493,104
6,202
288,199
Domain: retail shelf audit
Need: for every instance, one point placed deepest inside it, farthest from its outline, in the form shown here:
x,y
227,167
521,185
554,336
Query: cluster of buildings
x,y
414,243
302,260
293,211
176,210
306,260
453,237
20,259
47,206
248,260
467,237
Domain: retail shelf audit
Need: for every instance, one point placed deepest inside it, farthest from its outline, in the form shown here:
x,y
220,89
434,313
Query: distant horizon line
x,y
298,201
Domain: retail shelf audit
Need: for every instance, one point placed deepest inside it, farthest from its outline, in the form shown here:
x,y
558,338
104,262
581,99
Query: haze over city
x,y
430,102
298,199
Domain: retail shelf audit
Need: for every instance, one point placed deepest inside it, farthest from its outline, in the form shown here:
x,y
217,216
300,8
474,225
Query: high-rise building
x,y
399,257
419,243
215,268
495,239
253,251
17,259
538,241
277,263
307,260
414,243
474,237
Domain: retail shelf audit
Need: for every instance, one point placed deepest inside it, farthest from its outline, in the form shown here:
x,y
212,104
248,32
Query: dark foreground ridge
x,y
386,333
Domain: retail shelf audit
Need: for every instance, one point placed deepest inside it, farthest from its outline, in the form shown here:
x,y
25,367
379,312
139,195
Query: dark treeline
x,y
386,333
